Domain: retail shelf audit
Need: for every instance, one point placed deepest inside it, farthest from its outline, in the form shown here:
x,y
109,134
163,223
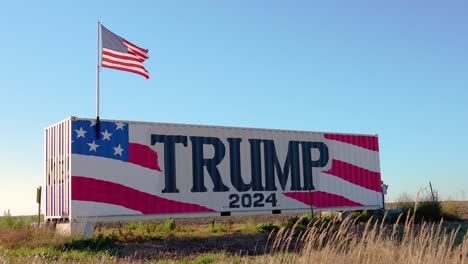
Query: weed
x,y
216,228
169,225
267,227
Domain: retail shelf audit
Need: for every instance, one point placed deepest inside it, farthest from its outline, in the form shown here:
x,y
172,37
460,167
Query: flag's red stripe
x,y
136,52
135,47
129,64
146,75
124,67
122,56
321,199
143,155
367,142
92,190
128,42
356,175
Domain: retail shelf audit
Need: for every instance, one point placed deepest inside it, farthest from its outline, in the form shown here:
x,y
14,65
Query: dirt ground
x,y
187,247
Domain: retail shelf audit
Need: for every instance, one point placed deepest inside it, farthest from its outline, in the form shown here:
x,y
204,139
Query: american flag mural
x,y
156,169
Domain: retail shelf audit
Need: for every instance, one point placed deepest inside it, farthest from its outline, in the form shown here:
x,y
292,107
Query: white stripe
x,y
129,60
125,67
85,208
110,57
130,56
118,61
136,49
355,155
140,133
129,44
335,185
116,171
152,182
139,54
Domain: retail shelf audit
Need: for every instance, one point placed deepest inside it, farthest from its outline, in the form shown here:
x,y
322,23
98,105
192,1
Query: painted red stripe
x,y
143,155
321,199
146,75
122,56
363,177
367,142
128,64
92,190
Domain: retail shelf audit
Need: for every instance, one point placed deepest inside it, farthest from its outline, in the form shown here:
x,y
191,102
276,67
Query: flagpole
x,y
97,80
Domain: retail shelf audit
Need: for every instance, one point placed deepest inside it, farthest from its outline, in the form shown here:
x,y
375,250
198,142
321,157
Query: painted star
x,y
119,125
80,132
118,150
106,135
93,146
93,123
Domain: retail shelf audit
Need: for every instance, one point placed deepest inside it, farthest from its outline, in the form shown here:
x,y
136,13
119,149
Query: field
x,y
271,239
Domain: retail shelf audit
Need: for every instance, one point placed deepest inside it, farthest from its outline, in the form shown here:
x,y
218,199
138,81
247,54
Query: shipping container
x,y
119,170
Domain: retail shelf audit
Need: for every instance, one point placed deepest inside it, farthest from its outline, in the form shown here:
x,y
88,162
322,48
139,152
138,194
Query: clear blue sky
x,y
394,68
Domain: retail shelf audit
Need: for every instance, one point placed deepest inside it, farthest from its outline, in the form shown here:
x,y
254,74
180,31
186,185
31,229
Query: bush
x,y
14,222
423,209
290,222
301,223
363,216
450,210
428,210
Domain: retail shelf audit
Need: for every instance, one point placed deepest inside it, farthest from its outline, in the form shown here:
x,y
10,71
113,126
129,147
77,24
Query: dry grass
x,y
409,243
321,242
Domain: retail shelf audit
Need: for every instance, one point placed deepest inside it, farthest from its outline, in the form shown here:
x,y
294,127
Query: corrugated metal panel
x,y
57,170
138,168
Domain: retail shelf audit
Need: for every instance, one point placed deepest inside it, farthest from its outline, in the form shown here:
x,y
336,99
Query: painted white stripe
x,y
116,171
140,134
331,184
355,155
84,208
152,182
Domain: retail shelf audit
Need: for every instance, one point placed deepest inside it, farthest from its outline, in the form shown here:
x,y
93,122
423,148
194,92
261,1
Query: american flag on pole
x,y
120,54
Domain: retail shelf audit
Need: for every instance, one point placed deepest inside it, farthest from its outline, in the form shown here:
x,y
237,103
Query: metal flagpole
x,y
97,80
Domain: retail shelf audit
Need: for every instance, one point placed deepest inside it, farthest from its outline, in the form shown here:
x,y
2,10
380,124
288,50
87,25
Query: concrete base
x,y
85,229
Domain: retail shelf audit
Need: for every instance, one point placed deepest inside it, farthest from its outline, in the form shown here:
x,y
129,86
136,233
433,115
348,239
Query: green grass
x,y
217,228
7,221
203,259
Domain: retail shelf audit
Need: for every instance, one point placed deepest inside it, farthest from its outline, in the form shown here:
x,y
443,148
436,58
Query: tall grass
x,y
305,240
374,242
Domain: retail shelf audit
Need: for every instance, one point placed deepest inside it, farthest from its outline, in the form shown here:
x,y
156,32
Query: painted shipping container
x,y
137,170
